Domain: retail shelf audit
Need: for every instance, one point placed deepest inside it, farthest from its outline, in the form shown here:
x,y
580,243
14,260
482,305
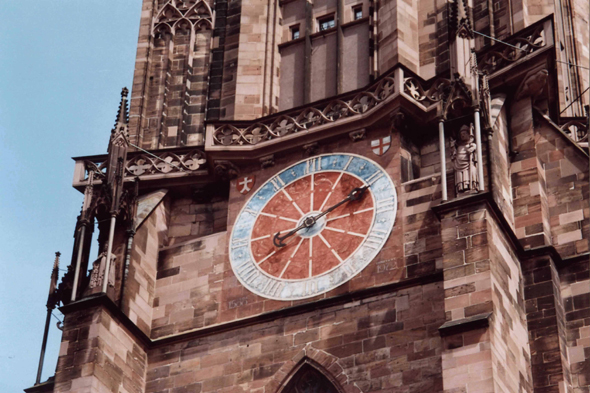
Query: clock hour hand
x,y
278,240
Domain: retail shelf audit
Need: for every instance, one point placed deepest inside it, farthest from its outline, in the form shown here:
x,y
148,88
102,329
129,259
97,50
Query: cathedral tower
x,y
338,196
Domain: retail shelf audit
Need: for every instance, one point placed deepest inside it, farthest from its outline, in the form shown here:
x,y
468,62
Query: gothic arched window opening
x,y
308,379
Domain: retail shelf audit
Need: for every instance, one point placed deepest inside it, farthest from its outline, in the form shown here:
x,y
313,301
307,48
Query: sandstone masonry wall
x,y
97,355
575,292
143,267
196,286
397,43
567,191
375,344
486,349
546,326
500,166
509,334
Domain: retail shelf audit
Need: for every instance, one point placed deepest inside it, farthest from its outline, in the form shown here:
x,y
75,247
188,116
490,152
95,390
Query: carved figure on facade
x,y
267,161
532,85
225,170
97,272
357,136
464,161
311,149
400,121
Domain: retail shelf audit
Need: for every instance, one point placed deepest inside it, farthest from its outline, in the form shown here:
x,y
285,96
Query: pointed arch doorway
x,y
309,379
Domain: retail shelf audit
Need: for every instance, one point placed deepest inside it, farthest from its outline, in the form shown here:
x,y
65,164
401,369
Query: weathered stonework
x,y
479,291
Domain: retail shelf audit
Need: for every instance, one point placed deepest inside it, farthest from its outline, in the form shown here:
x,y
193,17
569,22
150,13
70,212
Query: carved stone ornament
x,y
532,85
182,17
145,166
97,273
576,129
399,120
500,56
464,161
358,135
225,170
280,125
267,161
167,162
454,95
459,22
311,149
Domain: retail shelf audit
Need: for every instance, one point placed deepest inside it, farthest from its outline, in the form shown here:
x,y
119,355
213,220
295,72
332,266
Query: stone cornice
x,y
465,324
522,254
102,300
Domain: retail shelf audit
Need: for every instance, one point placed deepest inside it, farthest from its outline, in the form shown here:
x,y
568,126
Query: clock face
x,y
313,226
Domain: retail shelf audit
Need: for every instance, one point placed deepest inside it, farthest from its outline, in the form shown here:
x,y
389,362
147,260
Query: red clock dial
x,y
321,247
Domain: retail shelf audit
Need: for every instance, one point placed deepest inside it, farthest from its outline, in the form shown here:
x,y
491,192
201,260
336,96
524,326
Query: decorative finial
x,y
56,262
118,145
51,300
459,19
123,112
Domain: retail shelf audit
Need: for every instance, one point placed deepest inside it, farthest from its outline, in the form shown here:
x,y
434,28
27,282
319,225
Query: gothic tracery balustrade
x,y
428,96
145,165
575,128
524,43
281,125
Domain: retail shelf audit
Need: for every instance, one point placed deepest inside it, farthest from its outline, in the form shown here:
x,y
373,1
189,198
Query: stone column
x,y
546,323
531,212
485,343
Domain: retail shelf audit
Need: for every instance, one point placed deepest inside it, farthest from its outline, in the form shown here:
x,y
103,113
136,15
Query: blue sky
x,y
62,66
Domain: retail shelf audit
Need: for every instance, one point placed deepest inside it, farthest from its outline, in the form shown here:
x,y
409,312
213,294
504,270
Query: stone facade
x,y
480,290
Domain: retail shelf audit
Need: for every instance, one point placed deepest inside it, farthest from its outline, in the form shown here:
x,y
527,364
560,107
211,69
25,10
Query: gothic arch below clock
x,y
322,362
309,377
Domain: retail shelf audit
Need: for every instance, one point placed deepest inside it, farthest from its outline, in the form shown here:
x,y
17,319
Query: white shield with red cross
x,y
381,145
245,184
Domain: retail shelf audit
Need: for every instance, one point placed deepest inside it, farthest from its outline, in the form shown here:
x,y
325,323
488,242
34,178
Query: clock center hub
x,y
312,226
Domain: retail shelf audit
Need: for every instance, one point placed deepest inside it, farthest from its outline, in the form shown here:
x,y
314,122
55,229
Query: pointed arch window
x,y
309,380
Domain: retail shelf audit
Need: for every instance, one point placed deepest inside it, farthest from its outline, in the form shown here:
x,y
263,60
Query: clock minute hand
x,y
354,195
